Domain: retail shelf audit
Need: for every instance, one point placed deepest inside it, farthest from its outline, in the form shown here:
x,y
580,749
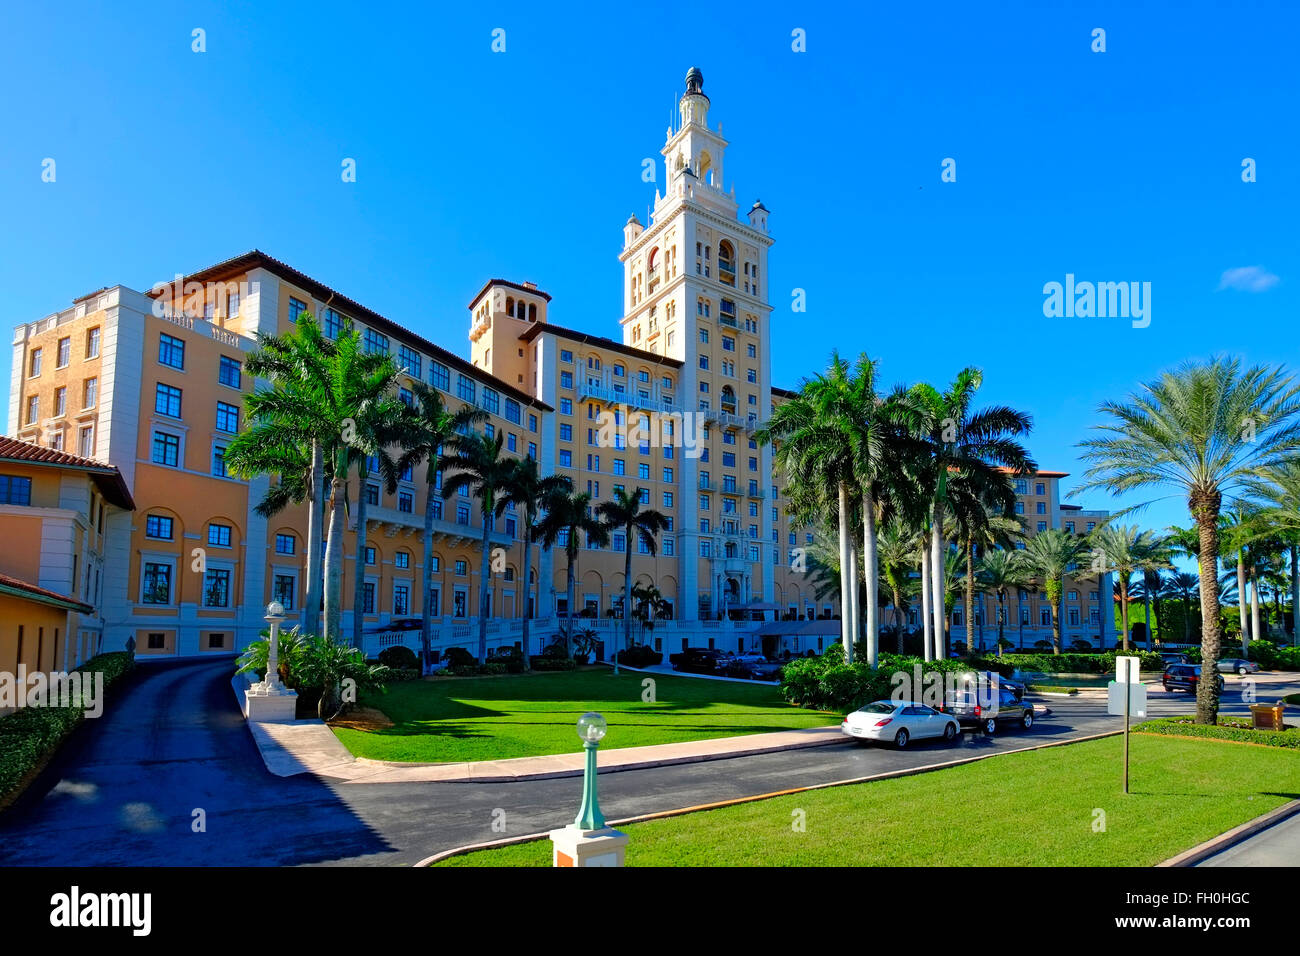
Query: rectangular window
x,y
157,584
64,352
512,411
491,401
374,342
216,587
369,607
410,360
333,324
219,461
219,535
285,544
60,401
86,441
405,502
402,559
167,400
15,490
465,388
90,393
296,308
158,526
401,599
439,376
227,417
171,351
229,372
566,458
92,343
34,368
566,380
372,494
370,555
166,449
285,589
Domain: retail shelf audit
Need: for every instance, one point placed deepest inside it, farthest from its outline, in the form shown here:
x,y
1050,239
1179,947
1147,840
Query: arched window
x,y
728,399
726,263
532,312
510,305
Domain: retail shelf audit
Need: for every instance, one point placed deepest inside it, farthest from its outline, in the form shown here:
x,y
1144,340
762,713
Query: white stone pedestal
x,y
571,846
270,704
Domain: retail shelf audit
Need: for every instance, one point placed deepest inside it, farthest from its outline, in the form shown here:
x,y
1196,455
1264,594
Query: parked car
x,y
899,722
1186,677
760,669
1010,709
1174,657
1237,665
697,660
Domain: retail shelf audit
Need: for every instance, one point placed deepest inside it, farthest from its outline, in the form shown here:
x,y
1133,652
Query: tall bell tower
x,y
695,289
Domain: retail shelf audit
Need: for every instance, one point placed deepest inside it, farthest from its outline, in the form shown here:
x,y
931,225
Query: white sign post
x,y
1126,695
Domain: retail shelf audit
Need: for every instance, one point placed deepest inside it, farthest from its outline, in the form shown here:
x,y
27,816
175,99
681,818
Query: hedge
x,y
1103,663
30,735
1228,728
1271,657
827,683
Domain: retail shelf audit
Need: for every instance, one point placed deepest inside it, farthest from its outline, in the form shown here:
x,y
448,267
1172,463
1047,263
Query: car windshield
x,y
879,707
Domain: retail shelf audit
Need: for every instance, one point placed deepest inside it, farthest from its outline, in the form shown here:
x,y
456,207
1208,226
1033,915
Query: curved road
x,y
125,788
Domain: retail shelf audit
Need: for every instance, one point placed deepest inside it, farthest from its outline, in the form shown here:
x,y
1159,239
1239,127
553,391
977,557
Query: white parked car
x,y
899,722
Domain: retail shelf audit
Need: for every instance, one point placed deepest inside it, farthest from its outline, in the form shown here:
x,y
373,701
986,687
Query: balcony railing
x,y
630,399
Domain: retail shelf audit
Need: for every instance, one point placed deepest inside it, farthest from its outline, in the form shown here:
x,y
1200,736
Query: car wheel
x,y
1167,690
1241,671
990,726
1027,719
950,732
901,738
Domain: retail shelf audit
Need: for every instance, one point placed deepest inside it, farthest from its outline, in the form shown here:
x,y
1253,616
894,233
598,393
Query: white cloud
x,y
1248,279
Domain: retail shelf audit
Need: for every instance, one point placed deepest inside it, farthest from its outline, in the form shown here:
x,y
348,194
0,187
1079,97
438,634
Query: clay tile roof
x,y
44,595
110,481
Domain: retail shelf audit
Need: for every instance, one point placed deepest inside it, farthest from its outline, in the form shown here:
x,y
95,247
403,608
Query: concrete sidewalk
x,y
309,746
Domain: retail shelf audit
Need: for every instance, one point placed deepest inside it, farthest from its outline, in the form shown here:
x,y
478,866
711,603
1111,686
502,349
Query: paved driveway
x,y
124,790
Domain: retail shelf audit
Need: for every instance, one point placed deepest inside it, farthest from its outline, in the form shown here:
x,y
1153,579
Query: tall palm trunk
x,y
1241,590
1187,616
899,619
846,585
485,582
1146,609
627,593
1206,513
359,585
1123,608
426,574
1295,590
970,598
871,573
528,587
855,594
937,586
334,560
1256,625
1002,617
927,622
571,587
311,598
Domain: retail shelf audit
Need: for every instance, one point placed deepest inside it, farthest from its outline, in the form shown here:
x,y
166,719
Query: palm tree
x,y
1150,561
565,514
1279,496
1049,556
1118,550
290,446
1001,570
980,447
897,555
1204,429
624,512
528,489
815,448
1180,585
435,427
477,465
984,523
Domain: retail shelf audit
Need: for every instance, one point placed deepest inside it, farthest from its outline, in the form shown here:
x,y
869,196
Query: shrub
x,y
459,657
827,683
551,663
403,673
1103,663
399,657
1228,728
31,734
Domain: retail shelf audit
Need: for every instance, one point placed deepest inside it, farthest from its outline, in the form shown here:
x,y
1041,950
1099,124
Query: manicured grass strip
x,y
1237,729
522,715
1027,809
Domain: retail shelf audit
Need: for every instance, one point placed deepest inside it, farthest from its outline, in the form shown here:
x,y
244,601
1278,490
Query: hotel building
x,y
153,383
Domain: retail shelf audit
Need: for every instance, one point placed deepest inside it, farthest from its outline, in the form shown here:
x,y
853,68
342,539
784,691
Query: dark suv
x,y
1011,709
697,660
1186,677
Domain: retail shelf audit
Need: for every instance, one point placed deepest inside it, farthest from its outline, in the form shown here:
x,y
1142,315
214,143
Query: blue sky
x,y
1115,166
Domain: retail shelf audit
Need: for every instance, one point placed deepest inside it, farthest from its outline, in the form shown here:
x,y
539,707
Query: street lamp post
x,y
587,841
269,700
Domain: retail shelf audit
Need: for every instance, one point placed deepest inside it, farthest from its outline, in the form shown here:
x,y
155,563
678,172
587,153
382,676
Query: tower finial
x,y
694,80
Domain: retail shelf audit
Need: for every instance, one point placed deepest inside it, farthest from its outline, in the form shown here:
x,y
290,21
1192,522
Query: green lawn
x,y
526,715
1023,809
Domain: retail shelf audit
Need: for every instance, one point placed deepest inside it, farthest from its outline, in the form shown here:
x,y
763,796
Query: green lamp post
x,y
591,728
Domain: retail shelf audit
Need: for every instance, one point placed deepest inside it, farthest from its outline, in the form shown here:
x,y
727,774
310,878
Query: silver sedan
x,y
899,722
